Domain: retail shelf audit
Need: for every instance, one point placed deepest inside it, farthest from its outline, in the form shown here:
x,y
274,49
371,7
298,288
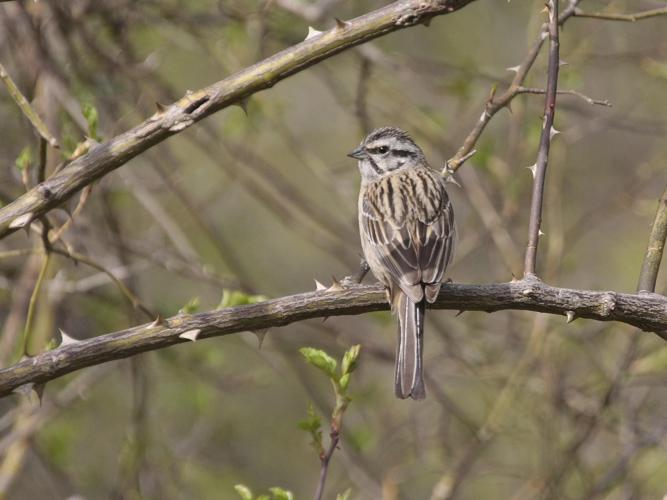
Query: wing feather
x,y
411,232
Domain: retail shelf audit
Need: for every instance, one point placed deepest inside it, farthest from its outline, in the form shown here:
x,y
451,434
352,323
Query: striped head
x,y
385,151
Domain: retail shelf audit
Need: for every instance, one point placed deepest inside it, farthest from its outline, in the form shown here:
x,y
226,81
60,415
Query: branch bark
x,y
654,250
646,311
194,106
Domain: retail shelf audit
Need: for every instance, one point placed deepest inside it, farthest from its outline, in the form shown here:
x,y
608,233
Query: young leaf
x,y
345,495
313,423
244,492
281,494
350,359
191,307
321,360
92,118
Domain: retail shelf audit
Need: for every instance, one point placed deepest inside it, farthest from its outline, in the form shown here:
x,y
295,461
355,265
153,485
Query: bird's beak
x,y
358,153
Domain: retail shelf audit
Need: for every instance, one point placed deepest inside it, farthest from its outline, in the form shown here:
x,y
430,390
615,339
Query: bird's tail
x,y
409,372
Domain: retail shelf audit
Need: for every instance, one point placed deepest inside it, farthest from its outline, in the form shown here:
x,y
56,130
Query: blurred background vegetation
x,y
264,203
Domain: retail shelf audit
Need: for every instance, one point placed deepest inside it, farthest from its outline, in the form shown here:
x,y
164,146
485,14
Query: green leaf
x,y
321,360
92,118
313,423
350,359
281,494
191,307
244,492
24,159
345,495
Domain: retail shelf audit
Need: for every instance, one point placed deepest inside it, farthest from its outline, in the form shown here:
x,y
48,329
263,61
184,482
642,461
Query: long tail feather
x,y
409,371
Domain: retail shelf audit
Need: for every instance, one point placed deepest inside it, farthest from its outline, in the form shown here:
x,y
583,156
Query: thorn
x,y
427,22
31,388
243,104
562,63
21,221
260,334
325,318
553,132
533,169
514,279
508,107
66,340
319,286
312,32
451,180
159,321
341,24
38,389
191,334
336,286
570,316
161,108
540,232
91,141
461,311
514,69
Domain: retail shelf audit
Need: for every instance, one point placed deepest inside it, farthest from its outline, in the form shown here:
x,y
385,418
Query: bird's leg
x,y
359,277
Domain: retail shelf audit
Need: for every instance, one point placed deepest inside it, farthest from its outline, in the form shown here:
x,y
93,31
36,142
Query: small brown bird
x,y
406,223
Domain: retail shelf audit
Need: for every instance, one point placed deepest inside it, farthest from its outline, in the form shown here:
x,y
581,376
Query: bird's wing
x,y
408,222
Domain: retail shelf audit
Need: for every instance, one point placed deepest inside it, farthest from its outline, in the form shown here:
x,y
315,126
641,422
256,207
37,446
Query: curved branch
x,y
646,311
194,106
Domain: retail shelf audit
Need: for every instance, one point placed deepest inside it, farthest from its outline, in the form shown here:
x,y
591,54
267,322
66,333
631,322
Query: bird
x,y
407,232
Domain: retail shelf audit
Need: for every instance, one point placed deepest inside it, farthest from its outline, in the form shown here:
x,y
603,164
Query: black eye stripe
x,y
401,152
378,150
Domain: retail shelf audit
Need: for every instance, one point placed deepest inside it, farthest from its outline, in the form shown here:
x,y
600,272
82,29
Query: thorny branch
x,y
645,311
540,168
194,106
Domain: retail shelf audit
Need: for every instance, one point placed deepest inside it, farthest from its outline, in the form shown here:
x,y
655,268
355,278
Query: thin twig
x,y
611,16
32,304
27,110
654,250
324,460
589,100
495,103
129,294
545,141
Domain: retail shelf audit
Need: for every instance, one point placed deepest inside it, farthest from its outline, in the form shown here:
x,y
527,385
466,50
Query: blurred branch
x,y
611,16
27,110
548,131
654,250
194,106
647,312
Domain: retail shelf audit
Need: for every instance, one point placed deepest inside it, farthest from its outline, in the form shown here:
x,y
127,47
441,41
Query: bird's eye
x,y
382,149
